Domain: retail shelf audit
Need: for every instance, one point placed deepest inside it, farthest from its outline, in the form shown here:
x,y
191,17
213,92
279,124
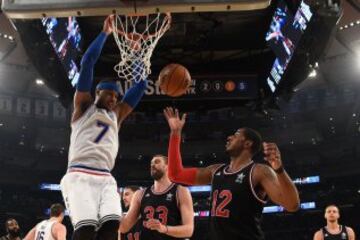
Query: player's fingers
x,y
183,117
176,113
166,114
171,111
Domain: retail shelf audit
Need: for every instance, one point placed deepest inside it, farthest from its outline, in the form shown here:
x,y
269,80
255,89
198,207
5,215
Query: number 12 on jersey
x,y
219,208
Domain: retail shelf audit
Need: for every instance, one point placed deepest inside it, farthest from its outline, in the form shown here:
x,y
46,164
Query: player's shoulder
x,y
262,168
214,167
182,189
349,230
139,194
262,171
58,227
318,235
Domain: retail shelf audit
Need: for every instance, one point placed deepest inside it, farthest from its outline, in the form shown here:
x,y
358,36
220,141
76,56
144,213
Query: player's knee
x,y
109,230
84,233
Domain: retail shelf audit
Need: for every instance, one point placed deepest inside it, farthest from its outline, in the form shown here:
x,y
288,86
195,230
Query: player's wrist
x,y
164,229
176,132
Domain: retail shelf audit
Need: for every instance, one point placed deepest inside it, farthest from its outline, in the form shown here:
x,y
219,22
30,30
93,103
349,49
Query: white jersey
x,y
94,140
43,230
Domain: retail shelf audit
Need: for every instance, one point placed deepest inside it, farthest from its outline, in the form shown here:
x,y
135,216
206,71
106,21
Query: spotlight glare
x,y
39,82
313,73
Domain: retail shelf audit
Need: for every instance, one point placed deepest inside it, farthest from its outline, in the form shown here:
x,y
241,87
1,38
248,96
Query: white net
x,y
136,37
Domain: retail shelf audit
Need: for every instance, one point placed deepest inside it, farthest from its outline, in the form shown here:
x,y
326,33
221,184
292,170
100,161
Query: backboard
x,y
25,9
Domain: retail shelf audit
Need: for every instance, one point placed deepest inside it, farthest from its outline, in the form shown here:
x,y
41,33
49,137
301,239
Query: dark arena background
x,y
301,91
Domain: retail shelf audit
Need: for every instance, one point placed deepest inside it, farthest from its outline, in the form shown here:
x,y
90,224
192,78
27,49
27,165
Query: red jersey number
x,y
219,203
161,211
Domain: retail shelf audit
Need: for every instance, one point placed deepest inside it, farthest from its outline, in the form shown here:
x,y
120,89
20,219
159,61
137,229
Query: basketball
x,y
174,80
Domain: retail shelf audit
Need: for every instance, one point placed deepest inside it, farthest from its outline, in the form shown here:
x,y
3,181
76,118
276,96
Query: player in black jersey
x,y
333,230
166,209
134,232
240,187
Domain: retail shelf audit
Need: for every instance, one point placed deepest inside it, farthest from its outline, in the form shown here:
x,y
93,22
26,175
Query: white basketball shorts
x,y
90,199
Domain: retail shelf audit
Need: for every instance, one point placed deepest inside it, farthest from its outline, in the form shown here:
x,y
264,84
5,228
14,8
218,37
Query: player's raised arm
x,y
82,98
133,95
275,181
177,173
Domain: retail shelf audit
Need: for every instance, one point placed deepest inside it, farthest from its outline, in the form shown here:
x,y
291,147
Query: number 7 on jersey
x,y
105,128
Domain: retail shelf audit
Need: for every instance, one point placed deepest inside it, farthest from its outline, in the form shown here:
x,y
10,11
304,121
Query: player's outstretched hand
x,y
272,155
175,122
108,27
154,224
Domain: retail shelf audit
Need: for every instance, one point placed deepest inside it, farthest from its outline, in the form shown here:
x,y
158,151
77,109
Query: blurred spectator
x,y
12,229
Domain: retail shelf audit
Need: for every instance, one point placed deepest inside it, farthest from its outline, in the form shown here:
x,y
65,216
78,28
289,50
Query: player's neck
x,y
239,162
333,225
162,184
55,219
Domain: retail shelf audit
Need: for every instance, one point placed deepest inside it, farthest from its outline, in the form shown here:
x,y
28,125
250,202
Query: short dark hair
x,y
133,188
332,205
255,137
165,158
56,209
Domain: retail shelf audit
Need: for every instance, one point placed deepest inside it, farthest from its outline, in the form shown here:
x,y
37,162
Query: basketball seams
x,y
174,80
180,86
170,77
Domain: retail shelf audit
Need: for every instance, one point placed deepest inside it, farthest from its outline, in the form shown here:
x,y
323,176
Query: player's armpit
x,y
82,101
205,175
129,220
122,111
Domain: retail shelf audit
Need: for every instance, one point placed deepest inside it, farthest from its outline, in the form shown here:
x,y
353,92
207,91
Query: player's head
x,y
12,227
107,93
158,167
128,194
244,139
57,210
332,213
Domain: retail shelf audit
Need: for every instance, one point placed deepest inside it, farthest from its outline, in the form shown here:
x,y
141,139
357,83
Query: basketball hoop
x,y
136,36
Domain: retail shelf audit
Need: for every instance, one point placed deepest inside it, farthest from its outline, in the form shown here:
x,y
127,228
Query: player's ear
x,y
248,143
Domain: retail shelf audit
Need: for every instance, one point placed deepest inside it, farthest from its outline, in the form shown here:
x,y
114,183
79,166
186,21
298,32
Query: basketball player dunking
x,y
333,230
51,229
239,188
127,196
88,188
165,208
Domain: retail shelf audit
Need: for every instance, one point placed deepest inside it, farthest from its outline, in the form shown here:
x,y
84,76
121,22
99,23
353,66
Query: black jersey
x,y
236,210
162,206
133,233
342,235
